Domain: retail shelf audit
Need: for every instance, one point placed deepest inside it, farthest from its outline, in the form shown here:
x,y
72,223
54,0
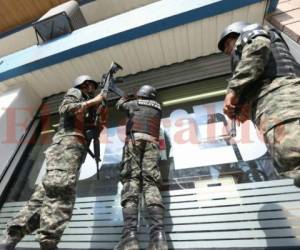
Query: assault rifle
x,y
107,84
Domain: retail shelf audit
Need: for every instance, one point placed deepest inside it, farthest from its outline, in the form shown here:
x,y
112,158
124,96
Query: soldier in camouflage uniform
x,y
140,169
50,207
265,87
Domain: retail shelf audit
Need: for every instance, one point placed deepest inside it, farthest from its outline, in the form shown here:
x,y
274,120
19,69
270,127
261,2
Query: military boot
x,y
7,246
48,244
48,248
12,237
129,240
294,174
158,239
297,180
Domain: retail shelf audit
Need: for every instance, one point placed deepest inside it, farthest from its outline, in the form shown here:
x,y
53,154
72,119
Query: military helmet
x,y
147,91
234,28
83,78
253,26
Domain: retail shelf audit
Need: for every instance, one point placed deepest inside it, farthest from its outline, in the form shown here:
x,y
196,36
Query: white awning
x,y
158,34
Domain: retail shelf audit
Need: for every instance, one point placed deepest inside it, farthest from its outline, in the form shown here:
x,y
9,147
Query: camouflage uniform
x,y
140,165
275,102
50,207
140,173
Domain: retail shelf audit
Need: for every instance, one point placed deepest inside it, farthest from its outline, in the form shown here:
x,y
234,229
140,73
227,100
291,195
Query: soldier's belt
x,y
142,136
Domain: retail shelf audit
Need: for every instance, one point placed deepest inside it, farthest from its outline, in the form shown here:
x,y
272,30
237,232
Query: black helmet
x,y
234,28
147,91
81,79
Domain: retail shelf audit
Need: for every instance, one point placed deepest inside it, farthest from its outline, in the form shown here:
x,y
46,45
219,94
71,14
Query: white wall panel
x,y
155,50
181,43
92,64
32,80
142,53
17,41
209,37
222,22
195,34
17,108
168,46
240,14
102,9
256,12
118,55
130,52
106,59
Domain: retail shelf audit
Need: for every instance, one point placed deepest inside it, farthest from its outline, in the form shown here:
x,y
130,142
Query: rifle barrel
x,y
233,128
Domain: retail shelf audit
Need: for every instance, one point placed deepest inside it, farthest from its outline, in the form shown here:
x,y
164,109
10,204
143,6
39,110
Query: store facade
x,y
175,51
196,145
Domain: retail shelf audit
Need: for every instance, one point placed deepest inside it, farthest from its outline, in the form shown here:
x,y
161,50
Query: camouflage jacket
x,y
272,101
72,101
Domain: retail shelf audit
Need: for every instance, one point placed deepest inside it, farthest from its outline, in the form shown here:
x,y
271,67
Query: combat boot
x,y
7,246
48,244
11,236
297,181
158,239
49,248
294,174
129,240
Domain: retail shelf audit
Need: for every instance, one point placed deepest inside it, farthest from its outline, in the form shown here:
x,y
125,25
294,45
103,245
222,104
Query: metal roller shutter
x,y
197,70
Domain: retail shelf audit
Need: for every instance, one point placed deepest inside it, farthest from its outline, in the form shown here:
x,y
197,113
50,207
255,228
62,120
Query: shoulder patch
x,y
74,92
149,103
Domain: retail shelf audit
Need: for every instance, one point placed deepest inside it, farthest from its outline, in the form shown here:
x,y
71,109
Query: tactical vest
x,y
70,123
281,62
144,117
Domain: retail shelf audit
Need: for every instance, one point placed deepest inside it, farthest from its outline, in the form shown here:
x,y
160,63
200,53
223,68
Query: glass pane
x,y
30,165
199,148
196,149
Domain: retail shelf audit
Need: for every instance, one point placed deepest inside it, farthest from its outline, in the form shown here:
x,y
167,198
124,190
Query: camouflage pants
x,y
50,207
283,143
140,173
